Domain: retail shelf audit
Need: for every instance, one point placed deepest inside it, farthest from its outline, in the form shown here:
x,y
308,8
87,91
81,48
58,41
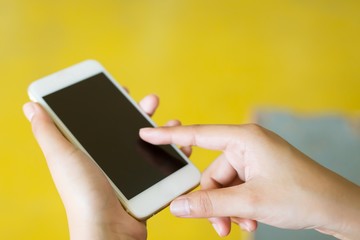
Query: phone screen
x,y
107,125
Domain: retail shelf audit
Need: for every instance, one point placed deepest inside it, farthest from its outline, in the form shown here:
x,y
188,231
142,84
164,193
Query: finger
x,y
235,201
149,104
219,174
222,225
216,137
173,123
46,133
245,224
187,150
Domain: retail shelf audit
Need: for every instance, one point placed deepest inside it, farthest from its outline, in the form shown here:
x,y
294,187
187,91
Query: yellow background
x,y
209,61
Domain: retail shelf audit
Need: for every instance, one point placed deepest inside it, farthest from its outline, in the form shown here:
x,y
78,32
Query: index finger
x,y
214,137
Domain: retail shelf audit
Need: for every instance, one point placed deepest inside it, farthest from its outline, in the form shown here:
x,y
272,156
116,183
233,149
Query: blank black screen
x,y
107,125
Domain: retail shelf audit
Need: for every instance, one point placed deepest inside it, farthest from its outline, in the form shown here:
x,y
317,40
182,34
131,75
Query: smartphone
x,y
97,115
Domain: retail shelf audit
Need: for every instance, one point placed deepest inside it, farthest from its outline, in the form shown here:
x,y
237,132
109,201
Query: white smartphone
x,y
96,114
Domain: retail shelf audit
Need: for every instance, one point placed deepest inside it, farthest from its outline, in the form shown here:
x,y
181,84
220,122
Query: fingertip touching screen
x,y
107,125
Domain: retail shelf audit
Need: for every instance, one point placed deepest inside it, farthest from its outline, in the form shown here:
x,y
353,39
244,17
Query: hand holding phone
x,y
92,207
100,118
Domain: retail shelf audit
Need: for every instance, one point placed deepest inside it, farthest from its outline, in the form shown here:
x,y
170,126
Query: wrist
x,y
342,210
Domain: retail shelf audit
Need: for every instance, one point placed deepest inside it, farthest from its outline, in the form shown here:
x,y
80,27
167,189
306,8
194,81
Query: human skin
x,y
259,177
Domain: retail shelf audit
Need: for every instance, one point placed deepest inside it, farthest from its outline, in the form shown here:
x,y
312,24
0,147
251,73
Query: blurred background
x,y
209,61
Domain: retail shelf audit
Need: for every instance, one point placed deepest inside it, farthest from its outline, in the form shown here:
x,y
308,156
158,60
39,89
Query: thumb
x,y
50,139
233,201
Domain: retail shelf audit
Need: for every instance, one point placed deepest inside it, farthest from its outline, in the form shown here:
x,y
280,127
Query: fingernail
x,y
180,207
218,229
245,226
29,111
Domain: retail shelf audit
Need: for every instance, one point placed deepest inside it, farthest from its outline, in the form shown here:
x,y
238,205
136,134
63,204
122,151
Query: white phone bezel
x,y
152,199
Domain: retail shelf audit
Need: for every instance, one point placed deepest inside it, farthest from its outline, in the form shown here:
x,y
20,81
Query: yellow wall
x,y
209,61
